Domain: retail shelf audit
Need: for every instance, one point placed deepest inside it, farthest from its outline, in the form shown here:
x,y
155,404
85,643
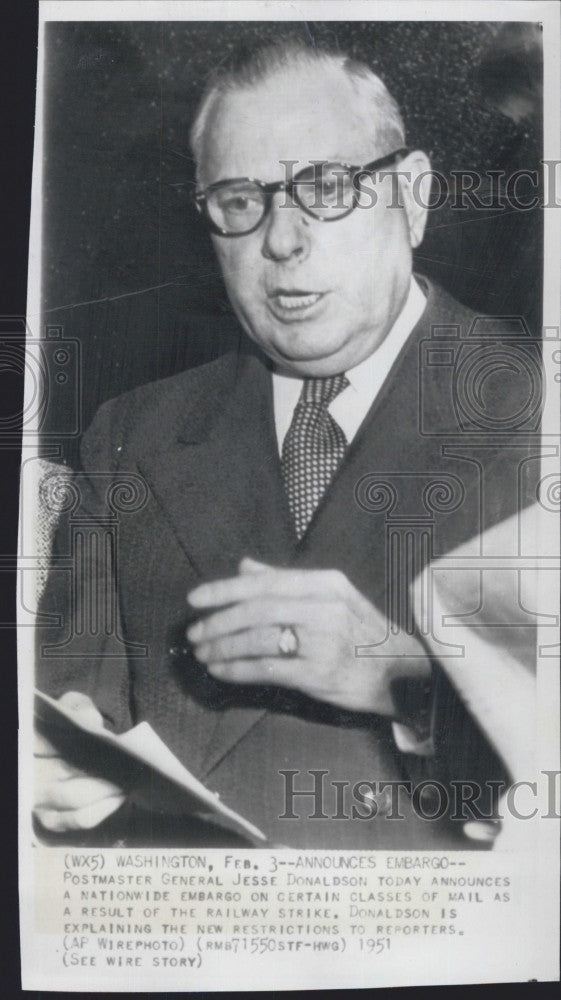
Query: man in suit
x,y
264,631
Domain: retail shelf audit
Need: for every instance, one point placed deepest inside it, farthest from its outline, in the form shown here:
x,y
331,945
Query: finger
x,y
260,642
83,707
295,583
76,701
53,768
59,790
249,565
79,819
267,670
265,611
42,747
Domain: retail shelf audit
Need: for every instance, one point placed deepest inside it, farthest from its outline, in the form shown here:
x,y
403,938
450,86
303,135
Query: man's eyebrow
x,y
297,166
336,158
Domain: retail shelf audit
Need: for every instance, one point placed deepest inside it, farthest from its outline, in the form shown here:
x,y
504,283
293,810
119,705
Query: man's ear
x,y
415,192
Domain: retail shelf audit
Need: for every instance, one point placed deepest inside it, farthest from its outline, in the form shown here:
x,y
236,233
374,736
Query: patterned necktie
x,y
312,448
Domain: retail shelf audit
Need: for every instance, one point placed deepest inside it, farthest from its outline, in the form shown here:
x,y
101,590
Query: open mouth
x,y
294,301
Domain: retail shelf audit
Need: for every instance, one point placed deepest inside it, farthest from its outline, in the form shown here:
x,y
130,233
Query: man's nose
x,y
286,231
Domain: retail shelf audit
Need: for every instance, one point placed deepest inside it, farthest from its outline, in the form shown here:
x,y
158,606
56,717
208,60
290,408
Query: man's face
x,y
317,297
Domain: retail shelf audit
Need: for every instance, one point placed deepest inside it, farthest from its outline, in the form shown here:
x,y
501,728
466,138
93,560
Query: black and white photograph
x,y
290,492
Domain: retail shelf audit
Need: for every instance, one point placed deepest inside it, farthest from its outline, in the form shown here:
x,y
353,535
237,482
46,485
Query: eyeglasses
x,y
326,191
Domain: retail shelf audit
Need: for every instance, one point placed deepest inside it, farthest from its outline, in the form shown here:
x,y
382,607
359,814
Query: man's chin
x,y
309,367
302,349
301,353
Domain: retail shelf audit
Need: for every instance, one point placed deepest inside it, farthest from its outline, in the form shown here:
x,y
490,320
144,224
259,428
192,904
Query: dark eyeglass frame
x,y
291,188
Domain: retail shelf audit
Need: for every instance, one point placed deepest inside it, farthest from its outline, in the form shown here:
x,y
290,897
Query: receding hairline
x,y
261,68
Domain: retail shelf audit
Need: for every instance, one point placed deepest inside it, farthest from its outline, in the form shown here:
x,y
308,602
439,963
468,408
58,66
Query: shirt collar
x,y
365,380
371,373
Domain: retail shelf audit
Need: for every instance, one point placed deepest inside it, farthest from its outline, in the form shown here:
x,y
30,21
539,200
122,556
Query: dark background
x,y
128,267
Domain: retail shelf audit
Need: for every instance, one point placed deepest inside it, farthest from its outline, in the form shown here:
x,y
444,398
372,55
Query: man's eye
x,y
238,203
235,204
328,187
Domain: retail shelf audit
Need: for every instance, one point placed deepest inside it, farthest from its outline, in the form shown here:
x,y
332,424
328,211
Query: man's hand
x,y
68,798
239,642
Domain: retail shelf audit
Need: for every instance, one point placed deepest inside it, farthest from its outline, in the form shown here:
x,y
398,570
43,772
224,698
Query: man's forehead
x,y
299,116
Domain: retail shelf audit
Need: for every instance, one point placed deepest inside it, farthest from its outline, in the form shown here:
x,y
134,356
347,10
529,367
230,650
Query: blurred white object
x,y
479,602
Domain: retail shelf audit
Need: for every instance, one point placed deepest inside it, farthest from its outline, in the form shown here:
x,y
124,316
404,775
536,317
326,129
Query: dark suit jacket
x,y
203,443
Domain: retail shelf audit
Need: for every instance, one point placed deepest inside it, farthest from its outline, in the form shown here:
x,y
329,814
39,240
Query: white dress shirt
x,y
350,407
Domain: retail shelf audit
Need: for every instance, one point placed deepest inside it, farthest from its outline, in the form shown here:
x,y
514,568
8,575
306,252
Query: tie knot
x,y
322,391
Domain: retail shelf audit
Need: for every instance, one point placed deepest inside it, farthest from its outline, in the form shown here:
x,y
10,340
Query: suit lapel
x,y
221,473
219,485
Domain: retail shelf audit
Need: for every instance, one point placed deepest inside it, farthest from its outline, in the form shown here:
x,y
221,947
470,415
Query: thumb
x,y
83,707
248,565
